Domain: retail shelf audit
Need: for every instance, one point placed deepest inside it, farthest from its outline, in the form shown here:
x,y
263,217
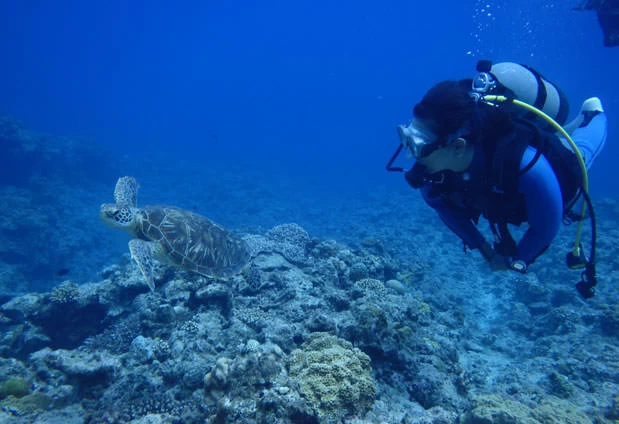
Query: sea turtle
x,y
173,235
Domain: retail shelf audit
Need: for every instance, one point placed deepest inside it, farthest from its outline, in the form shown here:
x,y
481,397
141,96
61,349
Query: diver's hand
x,y
496,261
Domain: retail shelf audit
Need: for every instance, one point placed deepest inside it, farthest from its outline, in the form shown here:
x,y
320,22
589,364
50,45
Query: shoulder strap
x,y
542,95
508,155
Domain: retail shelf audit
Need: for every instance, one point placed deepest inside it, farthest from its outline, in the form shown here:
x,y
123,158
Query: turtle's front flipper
x,y
126,192
142,253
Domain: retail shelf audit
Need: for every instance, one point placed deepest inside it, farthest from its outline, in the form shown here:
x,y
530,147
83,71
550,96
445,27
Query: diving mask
x,y
417,138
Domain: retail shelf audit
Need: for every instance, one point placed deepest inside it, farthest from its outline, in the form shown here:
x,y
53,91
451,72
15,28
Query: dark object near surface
x,y
608,17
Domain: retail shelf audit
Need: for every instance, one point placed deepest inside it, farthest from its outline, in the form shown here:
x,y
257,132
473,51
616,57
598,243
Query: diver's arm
x,y
456,219
544,207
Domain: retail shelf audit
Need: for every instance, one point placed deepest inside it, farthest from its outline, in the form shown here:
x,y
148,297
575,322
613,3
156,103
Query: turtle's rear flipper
x,y
142,253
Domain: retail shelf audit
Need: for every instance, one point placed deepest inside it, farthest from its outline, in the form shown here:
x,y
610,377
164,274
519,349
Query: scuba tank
x,y
524,83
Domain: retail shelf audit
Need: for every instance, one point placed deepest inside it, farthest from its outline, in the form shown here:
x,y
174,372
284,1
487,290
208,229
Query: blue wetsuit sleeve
x,y
455,218
544,206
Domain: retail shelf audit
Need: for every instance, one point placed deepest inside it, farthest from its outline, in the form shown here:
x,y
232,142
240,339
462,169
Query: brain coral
x,y
334,376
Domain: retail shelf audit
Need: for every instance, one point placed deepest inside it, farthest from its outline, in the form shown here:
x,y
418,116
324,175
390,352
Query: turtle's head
x,y
117,217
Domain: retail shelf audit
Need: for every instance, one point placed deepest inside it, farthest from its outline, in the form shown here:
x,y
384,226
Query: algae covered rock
x,y
492,409
334,376
14,386
231,386
29,404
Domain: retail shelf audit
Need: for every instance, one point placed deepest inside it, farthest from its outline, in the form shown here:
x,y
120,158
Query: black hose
x,y
586,286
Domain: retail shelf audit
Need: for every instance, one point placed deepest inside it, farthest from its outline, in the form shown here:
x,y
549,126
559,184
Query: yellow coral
x,y
334,376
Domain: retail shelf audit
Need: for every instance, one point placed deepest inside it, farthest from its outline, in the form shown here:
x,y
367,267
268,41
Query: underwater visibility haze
x,y
276,120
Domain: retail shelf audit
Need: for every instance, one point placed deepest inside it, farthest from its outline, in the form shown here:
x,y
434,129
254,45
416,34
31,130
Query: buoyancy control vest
x,y
526,84
504,149
506,158
492,190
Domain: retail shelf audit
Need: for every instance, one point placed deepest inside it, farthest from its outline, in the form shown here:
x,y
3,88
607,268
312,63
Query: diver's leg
x,y
591,138
588,130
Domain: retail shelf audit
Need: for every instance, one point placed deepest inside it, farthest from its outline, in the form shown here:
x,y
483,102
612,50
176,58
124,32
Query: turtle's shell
x,y
192,241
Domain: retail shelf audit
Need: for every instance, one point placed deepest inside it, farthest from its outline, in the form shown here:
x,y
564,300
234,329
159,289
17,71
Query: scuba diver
x,y
608,17
488,147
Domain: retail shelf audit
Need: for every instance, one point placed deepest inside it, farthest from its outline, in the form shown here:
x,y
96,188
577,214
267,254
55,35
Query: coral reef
x,y
17,387
319,333
391,322
334,376
493,409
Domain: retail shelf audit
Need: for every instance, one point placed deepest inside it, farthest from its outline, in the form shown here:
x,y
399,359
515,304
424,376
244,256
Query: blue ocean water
x,y
206,102
262,113
311,91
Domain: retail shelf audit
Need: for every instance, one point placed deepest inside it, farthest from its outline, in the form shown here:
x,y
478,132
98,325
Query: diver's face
x,y
456,156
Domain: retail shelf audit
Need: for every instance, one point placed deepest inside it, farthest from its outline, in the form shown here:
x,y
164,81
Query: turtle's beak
x,y
105,210
107,213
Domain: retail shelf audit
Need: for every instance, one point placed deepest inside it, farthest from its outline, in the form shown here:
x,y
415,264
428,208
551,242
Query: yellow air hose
x,y
585,179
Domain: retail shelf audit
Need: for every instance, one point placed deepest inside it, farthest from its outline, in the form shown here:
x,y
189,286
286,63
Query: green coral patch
x,y
493,409
17,387
334,376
